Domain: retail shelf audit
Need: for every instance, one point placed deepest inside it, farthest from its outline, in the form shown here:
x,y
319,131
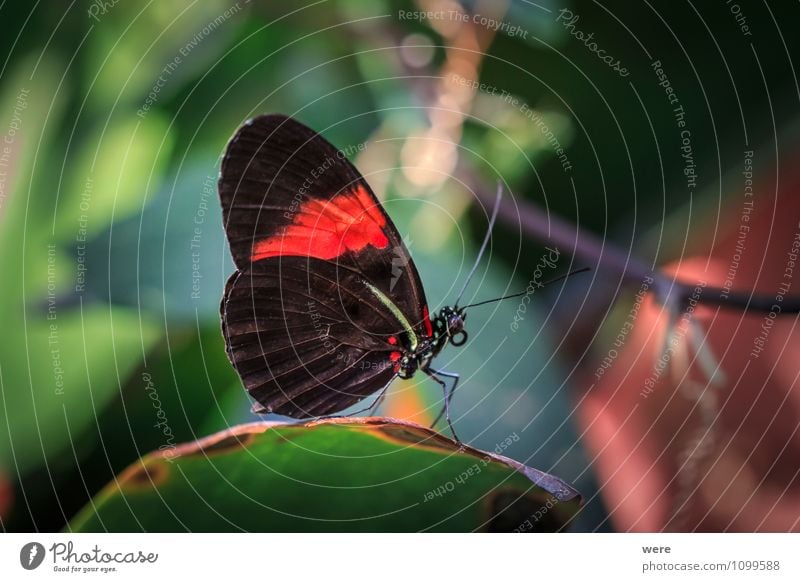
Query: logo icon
x,y
399,261
31,555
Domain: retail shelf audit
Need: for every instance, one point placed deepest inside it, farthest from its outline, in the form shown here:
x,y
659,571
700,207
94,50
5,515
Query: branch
x,y
588,247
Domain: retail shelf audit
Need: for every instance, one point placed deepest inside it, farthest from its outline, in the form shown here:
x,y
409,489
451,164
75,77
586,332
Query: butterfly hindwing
x,y
306,340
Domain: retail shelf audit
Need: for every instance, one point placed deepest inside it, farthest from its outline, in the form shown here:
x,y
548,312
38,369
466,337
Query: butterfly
x,y
326,306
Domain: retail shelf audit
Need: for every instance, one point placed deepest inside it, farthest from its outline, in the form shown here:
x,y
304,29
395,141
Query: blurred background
x,y
648,141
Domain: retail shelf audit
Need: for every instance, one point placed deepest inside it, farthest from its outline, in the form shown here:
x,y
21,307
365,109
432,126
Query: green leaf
x,y
340,474
57,374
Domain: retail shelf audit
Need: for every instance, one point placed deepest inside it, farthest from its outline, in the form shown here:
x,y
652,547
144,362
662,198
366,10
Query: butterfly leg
x,y
377,402
448,395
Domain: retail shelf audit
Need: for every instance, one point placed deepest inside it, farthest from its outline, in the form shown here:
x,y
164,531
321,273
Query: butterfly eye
x,y
455,323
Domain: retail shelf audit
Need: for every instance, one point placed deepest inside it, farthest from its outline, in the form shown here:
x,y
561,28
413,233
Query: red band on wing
x,y
325,229
426,318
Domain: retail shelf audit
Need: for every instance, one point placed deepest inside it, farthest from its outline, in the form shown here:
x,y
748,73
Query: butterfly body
x,y
447,325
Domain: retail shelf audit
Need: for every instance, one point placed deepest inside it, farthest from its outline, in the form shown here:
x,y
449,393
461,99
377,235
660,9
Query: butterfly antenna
x,y
483,245
520,294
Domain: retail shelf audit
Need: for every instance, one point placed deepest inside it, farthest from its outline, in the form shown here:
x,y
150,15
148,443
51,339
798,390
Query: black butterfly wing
x,y
276,185
305,337
311,317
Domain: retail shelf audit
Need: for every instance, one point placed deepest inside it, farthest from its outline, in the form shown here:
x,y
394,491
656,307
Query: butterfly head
x,y
449,324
